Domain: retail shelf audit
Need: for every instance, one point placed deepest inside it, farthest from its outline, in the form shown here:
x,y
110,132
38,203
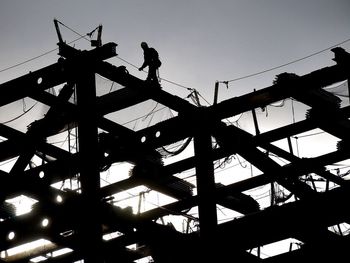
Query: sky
x,y
199,41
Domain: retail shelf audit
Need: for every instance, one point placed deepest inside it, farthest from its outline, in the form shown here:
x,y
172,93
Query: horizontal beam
x,y
104,52
295,169
315,80
26,85
280,222
121,76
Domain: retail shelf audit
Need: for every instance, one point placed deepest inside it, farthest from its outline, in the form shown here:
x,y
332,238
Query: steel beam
x,y
90,230
205,185
26,85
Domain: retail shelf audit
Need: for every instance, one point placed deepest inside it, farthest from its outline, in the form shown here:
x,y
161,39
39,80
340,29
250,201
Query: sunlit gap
x,y
140,199
27,248
276,248
22,204
342,229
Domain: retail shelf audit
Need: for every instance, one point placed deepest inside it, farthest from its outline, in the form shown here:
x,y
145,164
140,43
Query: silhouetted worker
x,y
151,59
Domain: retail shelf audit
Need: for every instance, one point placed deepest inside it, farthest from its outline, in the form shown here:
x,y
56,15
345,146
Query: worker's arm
x,y
146,60
145,64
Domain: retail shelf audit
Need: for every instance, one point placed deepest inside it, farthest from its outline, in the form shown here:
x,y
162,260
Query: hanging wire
x,y
28,60
36,57
151,112
21,115
179,150
130,196
285,64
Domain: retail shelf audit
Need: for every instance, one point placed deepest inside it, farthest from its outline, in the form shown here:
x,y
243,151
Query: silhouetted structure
x,y
151,60
87,213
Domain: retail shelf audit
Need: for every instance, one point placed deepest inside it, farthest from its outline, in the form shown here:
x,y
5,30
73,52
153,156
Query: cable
x,y
36,57
285,64
151,112
50,51
203,98
163,79
28,60
307,135
176,84
19,116
74,31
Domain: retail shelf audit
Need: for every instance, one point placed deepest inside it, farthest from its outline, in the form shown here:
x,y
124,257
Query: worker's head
x,y
144,45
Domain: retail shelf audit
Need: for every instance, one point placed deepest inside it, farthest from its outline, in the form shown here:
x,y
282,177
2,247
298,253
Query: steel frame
x,y
306,219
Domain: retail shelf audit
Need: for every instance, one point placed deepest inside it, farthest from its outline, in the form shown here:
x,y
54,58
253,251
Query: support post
x,y
205,186
255,119
216,93
60,40
290,145
348,80
256,125
90,232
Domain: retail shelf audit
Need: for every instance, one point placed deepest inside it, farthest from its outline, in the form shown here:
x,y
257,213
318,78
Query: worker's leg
x,y
152,75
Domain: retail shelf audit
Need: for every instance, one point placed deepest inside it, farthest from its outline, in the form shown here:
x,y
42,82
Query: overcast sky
x,y
199,41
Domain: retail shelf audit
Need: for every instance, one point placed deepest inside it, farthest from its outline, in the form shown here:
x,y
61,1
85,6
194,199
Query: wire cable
x,y
19,116
163,79
36,57
28,60
74,31
285,64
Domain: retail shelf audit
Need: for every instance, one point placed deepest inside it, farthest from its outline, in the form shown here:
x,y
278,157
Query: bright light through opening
x,y
342,229
38,259
112,235
144,260
59,252
141,199
23,204
276,248
25,248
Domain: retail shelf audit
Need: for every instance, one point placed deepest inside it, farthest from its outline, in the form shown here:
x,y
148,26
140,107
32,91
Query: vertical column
x,y
205,185
90,233
256,125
